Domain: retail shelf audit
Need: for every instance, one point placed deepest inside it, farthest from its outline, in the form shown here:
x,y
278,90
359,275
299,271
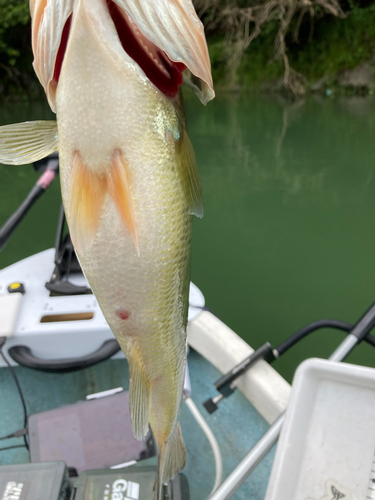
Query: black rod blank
x,y
36,192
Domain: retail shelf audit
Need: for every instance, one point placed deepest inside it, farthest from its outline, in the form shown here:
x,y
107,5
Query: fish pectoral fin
x,y
139,395
86,194
119,187
188,169
23,143
171,459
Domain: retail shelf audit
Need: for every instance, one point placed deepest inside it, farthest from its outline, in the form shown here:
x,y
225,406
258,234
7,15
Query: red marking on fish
x,y
122,314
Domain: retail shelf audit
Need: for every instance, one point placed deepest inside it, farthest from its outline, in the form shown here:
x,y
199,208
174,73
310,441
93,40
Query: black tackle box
x,y
50,481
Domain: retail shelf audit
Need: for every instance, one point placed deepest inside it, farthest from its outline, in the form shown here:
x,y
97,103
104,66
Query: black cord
x,y
11,447
2,342
225,383
321,323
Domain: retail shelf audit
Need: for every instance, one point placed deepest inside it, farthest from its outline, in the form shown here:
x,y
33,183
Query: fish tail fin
x,y
171,460
139,396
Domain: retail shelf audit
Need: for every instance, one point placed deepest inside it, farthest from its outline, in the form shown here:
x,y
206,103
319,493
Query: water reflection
x,y
289,203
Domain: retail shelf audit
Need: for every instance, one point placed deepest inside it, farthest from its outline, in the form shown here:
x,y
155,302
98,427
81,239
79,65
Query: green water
x,y
288,235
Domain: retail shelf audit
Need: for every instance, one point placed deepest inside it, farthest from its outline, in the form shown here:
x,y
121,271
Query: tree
x,y
16,74
243,20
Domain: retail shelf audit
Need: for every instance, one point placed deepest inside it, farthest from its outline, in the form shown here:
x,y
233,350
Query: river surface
x,y
288,235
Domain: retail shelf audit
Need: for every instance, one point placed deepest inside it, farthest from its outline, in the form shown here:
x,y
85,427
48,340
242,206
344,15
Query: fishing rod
x,y
50,167
237,477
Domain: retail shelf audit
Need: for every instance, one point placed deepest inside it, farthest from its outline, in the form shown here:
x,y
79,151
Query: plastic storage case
x,y
327,443
131,483
44,481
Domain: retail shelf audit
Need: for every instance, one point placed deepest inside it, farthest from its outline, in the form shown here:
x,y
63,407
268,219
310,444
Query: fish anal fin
x,y
139,394
86,194
171,459
119,187
22,143
188,170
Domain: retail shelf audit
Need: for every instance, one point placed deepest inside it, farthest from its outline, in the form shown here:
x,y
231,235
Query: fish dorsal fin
x,y
49,19
174,27
22,143
188,170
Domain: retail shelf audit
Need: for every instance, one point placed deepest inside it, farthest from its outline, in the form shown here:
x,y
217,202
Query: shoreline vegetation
x,y
294,47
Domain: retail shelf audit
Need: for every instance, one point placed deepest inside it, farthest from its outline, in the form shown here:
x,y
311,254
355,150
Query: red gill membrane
x,y
165,74
62,48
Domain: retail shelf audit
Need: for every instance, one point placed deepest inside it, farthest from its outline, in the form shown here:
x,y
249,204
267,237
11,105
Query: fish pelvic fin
x,y
189,174
23,143
86,195
139,394
119,187
171,460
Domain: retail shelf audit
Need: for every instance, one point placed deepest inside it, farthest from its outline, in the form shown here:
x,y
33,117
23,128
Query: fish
x,y
112,71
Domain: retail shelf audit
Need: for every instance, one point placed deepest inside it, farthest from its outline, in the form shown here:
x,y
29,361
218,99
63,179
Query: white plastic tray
x,y
327,443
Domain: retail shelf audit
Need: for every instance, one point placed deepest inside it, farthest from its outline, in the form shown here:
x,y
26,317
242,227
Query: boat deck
x,y
236,424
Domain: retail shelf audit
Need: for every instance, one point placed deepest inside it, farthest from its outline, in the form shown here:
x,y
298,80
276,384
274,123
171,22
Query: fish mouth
x,y
165,74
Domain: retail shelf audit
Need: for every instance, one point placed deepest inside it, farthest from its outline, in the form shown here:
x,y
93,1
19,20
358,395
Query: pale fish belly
x,y
104,104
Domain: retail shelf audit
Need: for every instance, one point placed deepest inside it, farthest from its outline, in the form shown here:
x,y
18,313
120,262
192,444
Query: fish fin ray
x,y
171,459
48,22
199,87
119,187
187,166
174,27
86,195
139,396
23,143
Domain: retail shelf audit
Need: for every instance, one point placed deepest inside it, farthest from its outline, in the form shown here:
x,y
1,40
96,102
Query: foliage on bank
x,y
337,47
243,22
16,74
254,44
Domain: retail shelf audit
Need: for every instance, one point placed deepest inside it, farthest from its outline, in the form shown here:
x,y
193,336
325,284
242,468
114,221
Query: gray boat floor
x,y
236,424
